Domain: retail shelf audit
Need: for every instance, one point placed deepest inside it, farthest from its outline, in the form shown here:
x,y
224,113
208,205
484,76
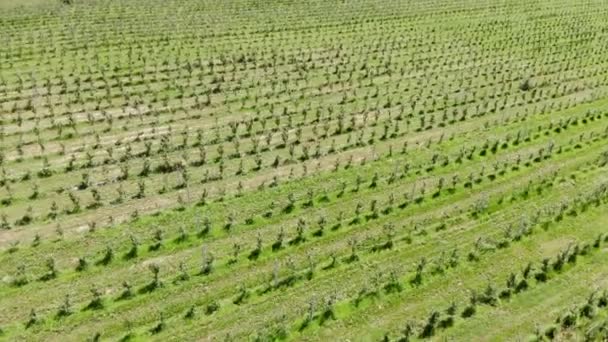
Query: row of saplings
x,y
577,316
489,296
514,285
45,172
184,179
97,301
158,238
97,201
486,297
567,256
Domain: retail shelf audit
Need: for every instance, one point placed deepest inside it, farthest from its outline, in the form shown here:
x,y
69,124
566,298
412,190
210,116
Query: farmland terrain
x,y
278,170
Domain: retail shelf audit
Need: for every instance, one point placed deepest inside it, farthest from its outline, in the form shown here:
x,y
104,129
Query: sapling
x,y
37,240
190,313
569,319
270,210
183,272
290,203
230,222
274,183
560,260
32,320
84,182
207,266
82,264
333,261
255,253
375,180
141,189
127,291
27,217
35,192
278,244
277,161
310,314
374,210
212,307
327,312
129,331
75,203
588,309
96,301
157,240
155,283
21,277
339,219
417,280
205,227
428,330
203,198
454,258
4,224
488,296
145,169
242,295
389,231
51,272
602,300
393,284
120,195
108,255
160,325
133,251
181,203
358,210
311,266
236,249
451,310
389,205
353,244
300,228
46,171
470,309
310,198
407,332
65,309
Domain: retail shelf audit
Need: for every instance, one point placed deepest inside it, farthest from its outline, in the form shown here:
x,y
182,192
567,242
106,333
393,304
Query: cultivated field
x,y
315,170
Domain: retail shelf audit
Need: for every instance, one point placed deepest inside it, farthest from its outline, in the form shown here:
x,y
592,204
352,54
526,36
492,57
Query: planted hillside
x,y
281,170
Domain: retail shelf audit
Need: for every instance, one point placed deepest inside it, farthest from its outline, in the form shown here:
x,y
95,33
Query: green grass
x,y
463,139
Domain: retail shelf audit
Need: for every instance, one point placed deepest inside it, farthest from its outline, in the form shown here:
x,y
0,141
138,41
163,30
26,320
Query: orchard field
x,y
316,170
